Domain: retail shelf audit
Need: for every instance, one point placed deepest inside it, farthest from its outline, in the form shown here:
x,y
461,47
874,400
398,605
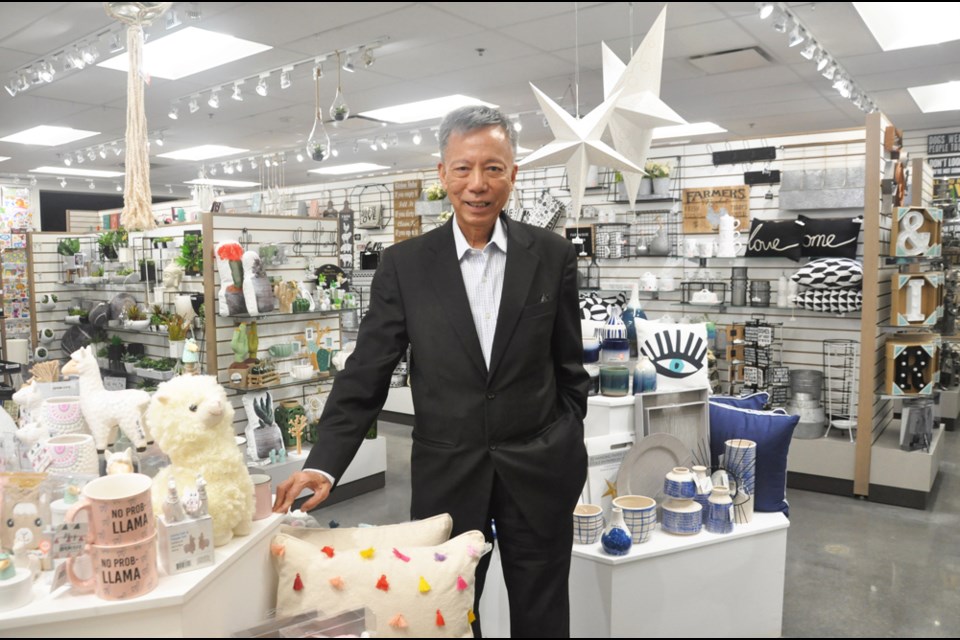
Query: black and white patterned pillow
x,y
593,306
775,239
830,237
833,301
830,273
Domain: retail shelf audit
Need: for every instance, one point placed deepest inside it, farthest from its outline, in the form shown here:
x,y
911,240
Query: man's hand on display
x,y
289,489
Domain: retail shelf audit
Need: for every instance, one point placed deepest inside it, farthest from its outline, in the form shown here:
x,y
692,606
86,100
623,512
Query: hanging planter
x,y
339,110
318,144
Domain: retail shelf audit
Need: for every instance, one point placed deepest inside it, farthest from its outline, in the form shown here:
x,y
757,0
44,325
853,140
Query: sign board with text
x,y
406,228
945,166
405,195
940,143
701,202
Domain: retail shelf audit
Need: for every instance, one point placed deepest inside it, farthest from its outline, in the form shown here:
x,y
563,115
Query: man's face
x,y
478,173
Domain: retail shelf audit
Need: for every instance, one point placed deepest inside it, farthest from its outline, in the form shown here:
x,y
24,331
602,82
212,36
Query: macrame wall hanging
x,y
137,214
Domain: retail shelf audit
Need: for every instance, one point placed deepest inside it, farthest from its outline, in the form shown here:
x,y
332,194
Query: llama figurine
x,y
105,410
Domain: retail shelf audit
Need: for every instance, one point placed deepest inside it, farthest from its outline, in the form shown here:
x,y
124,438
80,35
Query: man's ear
x,y
442,173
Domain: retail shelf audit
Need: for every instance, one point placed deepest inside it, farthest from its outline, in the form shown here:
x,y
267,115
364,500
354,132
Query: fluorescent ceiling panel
x,y
203,152
2,158
937,97
213,182
188,51
343,169
424,109
48,136
84,173
691,129
897,25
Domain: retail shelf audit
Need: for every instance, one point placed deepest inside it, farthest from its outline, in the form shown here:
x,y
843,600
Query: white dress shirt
x,y
482,271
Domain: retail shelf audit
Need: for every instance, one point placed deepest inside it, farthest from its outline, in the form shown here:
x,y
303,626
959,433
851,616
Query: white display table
x,y
235,593
684,586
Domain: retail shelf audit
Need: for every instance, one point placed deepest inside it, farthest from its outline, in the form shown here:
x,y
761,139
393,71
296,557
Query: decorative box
x,y
915,232
185,545
916,299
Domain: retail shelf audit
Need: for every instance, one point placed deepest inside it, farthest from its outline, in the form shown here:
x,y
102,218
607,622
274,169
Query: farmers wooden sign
x,y
406,228
405,195
698,203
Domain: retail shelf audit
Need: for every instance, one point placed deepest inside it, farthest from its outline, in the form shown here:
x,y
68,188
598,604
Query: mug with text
x,y
120,572
119,509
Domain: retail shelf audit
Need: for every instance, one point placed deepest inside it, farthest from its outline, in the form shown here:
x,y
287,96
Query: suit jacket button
x,y
491,396
493,447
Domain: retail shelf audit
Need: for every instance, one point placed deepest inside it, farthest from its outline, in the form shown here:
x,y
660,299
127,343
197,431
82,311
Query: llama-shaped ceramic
x,y
104,410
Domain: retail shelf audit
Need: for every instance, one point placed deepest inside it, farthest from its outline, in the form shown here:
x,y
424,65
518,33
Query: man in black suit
x,y
489,307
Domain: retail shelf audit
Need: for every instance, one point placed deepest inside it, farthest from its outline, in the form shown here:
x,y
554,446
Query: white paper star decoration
x,y
638,110
577,144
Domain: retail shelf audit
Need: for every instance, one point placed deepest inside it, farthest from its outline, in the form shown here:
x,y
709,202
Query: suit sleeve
x,y
573,382
360,390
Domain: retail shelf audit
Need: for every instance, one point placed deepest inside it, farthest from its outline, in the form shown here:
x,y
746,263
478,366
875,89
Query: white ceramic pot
x,y
73,454
63,416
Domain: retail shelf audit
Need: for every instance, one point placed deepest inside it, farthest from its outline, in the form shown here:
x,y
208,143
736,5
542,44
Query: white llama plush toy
x,y
105,410
119,462
192,421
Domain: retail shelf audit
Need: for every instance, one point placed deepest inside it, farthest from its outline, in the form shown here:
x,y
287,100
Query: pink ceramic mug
x,y
119,509
120,572
263,495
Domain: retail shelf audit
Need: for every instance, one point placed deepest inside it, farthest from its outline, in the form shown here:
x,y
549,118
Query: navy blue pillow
x,y
756,401
772,431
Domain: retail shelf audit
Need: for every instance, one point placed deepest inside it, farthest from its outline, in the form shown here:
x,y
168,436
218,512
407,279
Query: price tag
x,y
69,540
39,457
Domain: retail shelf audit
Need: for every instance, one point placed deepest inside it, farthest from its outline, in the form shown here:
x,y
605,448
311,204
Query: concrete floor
x,y
854,568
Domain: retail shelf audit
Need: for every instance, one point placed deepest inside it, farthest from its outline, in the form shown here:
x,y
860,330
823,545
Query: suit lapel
x,y
517,278
443,267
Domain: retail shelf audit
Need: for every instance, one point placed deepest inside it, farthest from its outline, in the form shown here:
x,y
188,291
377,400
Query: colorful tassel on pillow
x,y
424,585
336,582
440,622
328,551
400,555
297,583
471,618
367,553
277,549
398,621
382,583
439,557
461,583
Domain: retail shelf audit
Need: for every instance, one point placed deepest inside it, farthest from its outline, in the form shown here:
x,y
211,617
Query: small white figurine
x,y
120,462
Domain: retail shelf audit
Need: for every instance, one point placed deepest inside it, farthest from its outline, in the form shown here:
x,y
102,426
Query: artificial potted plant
x,y
68,248
659,173
176,334
191,255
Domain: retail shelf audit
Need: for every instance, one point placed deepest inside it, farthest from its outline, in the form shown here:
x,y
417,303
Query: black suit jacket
x,y
521,420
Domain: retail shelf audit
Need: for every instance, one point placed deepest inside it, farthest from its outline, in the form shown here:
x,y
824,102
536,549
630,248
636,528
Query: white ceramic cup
x,y
587,523
263,495
707,248
692,249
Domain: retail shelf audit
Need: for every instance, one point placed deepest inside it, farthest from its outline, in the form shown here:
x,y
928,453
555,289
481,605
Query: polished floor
x,y
854,568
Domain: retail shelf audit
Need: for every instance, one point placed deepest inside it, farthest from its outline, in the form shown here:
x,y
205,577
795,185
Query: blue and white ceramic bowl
x,y
680,483
640,515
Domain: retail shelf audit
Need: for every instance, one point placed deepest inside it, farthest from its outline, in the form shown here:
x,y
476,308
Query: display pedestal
x,y
232,595
672,586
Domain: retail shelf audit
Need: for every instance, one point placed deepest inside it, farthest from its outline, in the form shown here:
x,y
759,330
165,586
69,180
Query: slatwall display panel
x,y
272,327
83,221
48,278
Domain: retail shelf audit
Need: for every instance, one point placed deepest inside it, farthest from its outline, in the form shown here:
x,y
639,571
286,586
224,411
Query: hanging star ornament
x,y
577,145
638,109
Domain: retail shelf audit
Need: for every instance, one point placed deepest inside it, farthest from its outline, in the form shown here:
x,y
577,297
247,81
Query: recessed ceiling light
x,y
690,129
86,173
203,152
223,183
3,158
914,24
937,97
424,109
49,136
343,169
188,51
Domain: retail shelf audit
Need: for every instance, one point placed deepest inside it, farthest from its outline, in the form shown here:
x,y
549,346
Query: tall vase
x,y
719,511
616,539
